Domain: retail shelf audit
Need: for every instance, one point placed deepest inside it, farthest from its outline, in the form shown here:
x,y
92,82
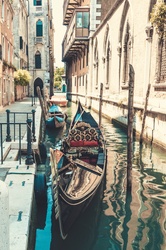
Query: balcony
x,y
77,34
68,8
39,9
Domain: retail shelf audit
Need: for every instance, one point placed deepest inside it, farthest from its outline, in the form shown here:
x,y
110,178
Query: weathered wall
x,y
126,37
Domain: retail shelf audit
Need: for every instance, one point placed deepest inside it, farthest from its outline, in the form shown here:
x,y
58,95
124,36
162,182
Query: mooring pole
x,y
33,124
32,99
144,113
29,158
130,127
8,137
100,103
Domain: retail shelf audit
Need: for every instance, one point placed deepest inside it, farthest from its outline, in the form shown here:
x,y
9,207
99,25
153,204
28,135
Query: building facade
x,y
75,46
41,55
6,58
116,41
20,35
26,48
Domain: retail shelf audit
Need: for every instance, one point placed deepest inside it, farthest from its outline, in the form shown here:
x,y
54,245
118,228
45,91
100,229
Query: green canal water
x,y
116,219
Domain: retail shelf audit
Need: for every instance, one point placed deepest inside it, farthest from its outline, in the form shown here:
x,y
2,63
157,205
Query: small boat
x,y
56,118
78,169
59,99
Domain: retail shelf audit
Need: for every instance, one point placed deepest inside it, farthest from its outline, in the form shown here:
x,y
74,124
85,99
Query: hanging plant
x,y
158,17
22,77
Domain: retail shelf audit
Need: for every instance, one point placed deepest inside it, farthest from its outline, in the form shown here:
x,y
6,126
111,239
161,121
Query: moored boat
x,y
77,169
59,99
56,118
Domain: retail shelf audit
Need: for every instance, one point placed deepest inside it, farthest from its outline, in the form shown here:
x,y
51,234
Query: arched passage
x,y
38,82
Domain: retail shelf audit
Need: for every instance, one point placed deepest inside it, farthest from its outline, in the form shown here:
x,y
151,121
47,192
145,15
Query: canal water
x,y
116,219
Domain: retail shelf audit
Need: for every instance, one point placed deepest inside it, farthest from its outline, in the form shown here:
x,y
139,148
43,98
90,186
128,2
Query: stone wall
x,y
125,36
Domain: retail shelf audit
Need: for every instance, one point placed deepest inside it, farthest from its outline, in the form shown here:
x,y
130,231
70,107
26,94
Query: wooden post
x,y
41,102
8,137
29,157
44,100
130,127
33,124
144,113
100,103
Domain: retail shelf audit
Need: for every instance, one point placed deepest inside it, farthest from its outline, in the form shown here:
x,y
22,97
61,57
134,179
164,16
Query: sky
x,y
57,6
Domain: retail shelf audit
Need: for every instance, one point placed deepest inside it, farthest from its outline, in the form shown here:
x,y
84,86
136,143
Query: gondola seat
x,y
83,136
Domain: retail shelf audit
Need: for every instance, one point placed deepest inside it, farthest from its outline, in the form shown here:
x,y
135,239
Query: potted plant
x,y
158,17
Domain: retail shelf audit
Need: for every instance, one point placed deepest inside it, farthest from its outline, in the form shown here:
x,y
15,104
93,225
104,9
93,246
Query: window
x,y
0,52
37,2
108,57
39,28
2,10
21,43
38,60
8,18
82,23
161,62
8,53
82,20
126,55
3,48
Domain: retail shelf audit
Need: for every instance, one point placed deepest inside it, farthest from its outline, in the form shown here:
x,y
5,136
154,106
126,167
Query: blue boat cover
x,y
54,108
59,119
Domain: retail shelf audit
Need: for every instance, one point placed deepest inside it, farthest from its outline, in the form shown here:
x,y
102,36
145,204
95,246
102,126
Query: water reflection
x,y
118,219
136,220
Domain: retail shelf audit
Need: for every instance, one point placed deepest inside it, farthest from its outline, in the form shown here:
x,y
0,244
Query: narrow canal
x,y
116,219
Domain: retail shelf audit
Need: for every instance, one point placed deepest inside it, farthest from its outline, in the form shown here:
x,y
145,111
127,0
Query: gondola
x,y
78,168
56,118
59,99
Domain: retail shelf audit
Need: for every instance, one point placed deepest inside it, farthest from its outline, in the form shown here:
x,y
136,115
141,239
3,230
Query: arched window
x,y
39,28
126,54
161,61
38,60
96,65
108,70
106,57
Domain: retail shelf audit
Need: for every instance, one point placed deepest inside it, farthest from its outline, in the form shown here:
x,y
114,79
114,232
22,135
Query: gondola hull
x,y
56,118
77,169
59,99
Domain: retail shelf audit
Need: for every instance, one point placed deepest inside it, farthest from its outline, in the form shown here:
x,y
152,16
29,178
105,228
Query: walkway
x,y
18,179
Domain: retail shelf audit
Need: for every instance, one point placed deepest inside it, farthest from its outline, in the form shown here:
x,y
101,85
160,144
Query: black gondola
x,y
77,169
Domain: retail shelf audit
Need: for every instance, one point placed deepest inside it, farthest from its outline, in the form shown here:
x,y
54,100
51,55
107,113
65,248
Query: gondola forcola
x,y
77,169
56,118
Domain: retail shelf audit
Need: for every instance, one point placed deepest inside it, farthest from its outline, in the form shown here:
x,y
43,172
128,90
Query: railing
x,y
18,131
